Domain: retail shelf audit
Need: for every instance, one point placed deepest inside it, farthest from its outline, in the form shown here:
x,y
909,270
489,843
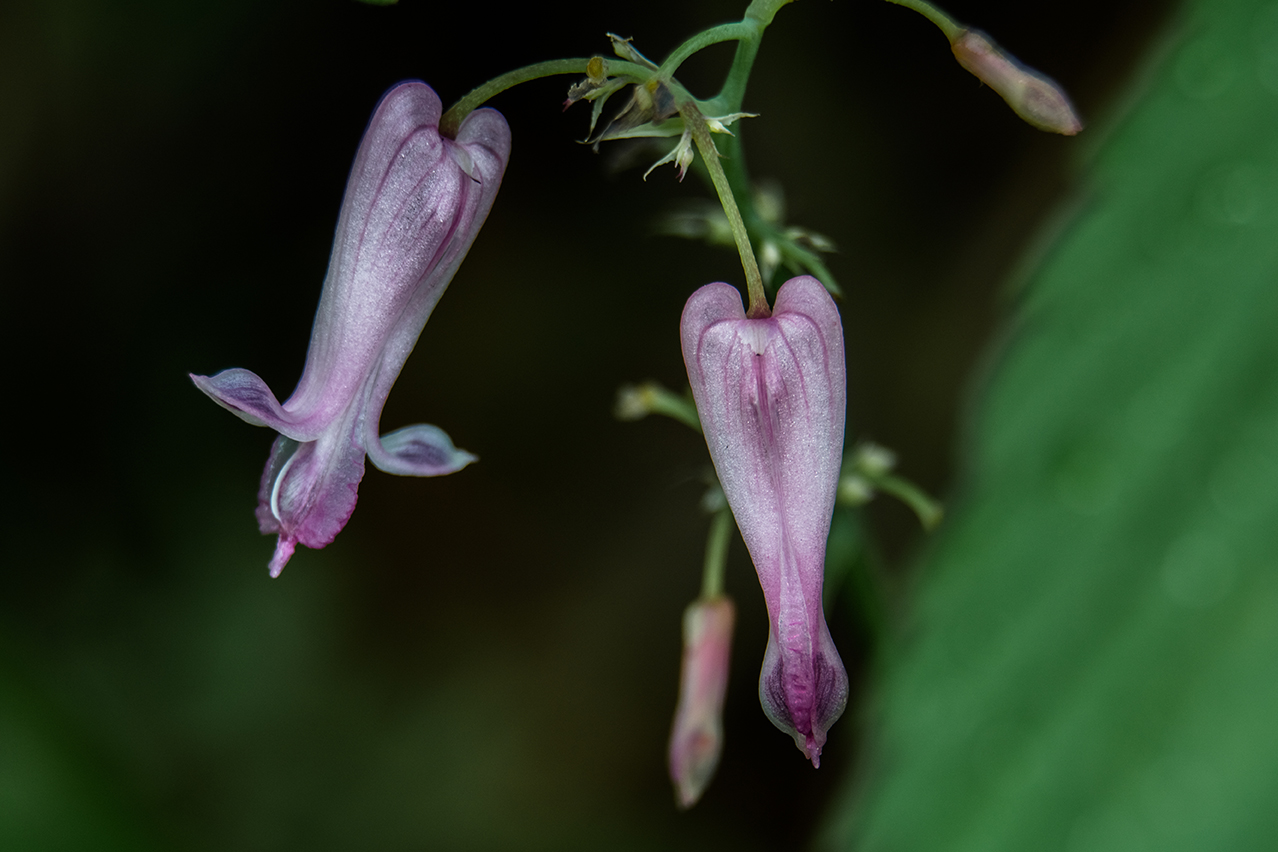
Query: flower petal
x,y
308,491
480,151
804,697
771,394
421,450
245,395
413,206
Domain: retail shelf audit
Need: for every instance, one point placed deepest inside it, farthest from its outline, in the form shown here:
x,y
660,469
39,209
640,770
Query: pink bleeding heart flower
x,y
696,740
772,396
414,203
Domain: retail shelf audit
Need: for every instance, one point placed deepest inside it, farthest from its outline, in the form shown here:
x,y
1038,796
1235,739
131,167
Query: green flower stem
x,y
695,122
740,30
748,32
452,119
731,96
763,11
730,174
928,510
716,553
948,25
656,399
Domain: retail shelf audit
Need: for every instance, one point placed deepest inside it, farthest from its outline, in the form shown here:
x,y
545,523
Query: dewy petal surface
x,y
413,205
772,397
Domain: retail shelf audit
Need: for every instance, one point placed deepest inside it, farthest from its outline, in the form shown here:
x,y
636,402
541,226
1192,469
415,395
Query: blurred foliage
x,y
1091,661
486,661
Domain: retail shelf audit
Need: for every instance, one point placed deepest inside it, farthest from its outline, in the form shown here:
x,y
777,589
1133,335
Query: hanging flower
x,y
771,394
414,203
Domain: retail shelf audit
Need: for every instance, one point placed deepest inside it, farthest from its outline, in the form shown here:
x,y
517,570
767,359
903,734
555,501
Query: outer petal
x,y
401,208
308,490
245,395
480,154
771,394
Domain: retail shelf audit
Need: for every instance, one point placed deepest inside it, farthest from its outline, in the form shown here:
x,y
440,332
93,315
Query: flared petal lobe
x,y
772,397
413,205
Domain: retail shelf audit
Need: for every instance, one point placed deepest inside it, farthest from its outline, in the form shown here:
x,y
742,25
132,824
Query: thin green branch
x,y
635,402
732,95
716,554
928,510
724,32
452,119
696,123
948,25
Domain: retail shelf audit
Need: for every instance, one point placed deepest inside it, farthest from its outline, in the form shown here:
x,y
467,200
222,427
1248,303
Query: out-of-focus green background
x,y
1089,662
1068,339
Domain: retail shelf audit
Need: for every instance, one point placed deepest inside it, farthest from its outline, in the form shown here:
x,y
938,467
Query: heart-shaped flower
x,y
772,396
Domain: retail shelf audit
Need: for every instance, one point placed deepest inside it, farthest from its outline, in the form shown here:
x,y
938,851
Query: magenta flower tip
x,y
772,396
414,203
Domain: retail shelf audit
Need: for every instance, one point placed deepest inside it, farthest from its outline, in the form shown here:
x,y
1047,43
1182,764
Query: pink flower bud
x,y
697,737
1034,97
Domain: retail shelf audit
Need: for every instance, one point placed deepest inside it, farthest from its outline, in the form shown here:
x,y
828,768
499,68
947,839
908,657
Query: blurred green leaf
x,y
54,793
1092,660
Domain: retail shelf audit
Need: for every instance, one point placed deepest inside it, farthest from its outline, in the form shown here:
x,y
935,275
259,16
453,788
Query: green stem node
x,y
738,31
449,124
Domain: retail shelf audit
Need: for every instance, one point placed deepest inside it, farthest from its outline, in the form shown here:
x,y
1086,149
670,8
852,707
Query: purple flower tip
x,y
772,397
414,203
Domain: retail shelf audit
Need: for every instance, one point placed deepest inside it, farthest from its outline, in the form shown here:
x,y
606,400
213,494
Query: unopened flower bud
x,y
1034,97
696,740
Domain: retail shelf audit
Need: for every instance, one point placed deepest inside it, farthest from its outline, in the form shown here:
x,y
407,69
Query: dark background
x,y
489,660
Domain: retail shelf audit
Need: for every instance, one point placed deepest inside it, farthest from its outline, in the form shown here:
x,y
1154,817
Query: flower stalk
x,y
716,553
758,307
477,96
